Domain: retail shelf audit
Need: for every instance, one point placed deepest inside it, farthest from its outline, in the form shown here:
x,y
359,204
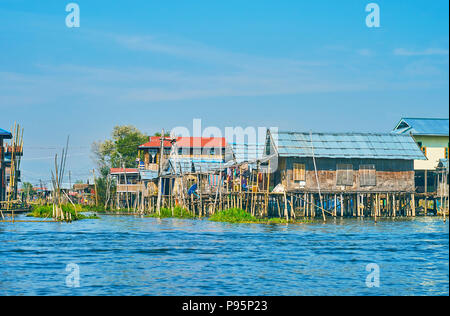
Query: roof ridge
x,y
425,118
340,133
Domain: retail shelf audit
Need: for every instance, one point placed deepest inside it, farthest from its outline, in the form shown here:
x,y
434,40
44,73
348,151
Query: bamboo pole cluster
x,y
57,180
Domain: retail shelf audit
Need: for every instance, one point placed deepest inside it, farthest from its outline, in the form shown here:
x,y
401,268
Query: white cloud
x,y
210,72
365,52
426,52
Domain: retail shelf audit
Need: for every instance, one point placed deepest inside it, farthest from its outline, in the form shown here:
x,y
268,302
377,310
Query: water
x,y
125,255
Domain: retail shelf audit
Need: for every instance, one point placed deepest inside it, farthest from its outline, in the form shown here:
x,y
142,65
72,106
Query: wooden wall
x,y
391,175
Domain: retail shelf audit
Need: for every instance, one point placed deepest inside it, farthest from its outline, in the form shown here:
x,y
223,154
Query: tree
x,y
121,149
28,190
159,134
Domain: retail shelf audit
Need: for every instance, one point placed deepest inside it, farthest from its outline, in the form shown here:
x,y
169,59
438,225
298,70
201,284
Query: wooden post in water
x,y
394,206
358,207
268,189
161,155
335,206
285,206
426,192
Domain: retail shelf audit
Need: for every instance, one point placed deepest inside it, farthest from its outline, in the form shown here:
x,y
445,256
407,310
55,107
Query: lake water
x,y
125,255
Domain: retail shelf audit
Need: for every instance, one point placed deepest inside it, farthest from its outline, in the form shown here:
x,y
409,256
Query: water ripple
x,y
145,256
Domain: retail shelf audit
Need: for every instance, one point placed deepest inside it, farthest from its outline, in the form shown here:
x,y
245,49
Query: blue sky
x,y
297,65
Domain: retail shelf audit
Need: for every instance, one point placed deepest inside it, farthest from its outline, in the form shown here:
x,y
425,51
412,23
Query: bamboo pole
x,y
268,188
161,157
317,177
95,188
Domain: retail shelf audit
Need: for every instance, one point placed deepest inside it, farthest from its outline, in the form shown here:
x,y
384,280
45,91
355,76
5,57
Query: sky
x,y
296,65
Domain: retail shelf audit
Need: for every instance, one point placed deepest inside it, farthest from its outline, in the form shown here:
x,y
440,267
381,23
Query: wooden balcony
x,y
151,166
130,188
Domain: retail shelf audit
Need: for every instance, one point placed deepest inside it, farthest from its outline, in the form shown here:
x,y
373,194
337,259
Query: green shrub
x,y
233,215
236,215
178,212
46,211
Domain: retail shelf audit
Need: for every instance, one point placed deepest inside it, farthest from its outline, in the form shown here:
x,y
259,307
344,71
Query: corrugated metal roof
x,y
148,174
5,134
347,145
189,165
247,152
423,126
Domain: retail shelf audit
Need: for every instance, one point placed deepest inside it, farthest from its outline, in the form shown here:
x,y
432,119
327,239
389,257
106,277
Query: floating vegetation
x,y
176,212
97,209
237,215
71,213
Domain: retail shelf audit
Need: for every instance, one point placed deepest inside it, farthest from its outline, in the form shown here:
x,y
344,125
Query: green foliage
x,y
121,149
46,211
102,188
28,189
233,215
237,215
159,134
178,212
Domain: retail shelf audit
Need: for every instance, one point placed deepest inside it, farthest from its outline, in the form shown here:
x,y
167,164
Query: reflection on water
x,y
126,255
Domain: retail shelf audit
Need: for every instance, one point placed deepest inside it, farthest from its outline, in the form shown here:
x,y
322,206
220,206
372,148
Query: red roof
x,y
155,142
201,142
190,142
120,170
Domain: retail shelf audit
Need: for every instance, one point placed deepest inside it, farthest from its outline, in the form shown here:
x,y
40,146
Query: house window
x,y
212,152
422,148
344,174
367,175
299,172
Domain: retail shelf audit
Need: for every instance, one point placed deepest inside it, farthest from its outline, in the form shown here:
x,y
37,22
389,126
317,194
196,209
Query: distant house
x,y
125,176
432,137
128,185
82,192
183,155
149,153
3,150
342,162
199,154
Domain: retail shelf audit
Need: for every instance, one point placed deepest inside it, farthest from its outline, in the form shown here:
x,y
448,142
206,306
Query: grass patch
x,y
178,212
46,211
233,215
236,215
